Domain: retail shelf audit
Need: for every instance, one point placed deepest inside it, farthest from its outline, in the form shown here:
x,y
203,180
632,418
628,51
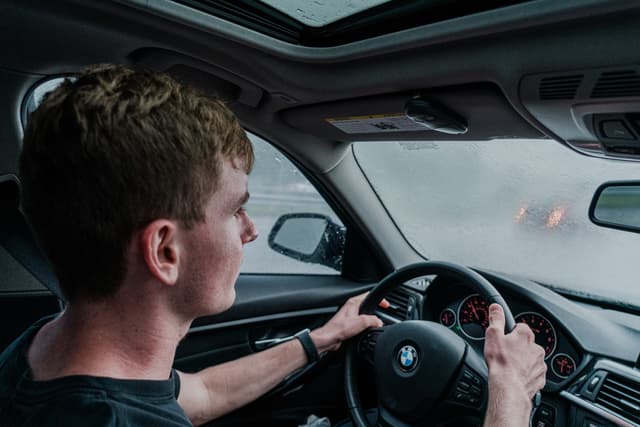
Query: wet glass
x,y
318,13
277,187
510,205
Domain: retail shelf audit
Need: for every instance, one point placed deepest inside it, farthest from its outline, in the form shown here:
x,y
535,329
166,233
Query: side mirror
x,y
617,205
309,237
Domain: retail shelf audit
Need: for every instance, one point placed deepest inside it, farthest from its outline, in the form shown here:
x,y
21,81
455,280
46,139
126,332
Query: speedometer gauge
x,y
542,329
473,316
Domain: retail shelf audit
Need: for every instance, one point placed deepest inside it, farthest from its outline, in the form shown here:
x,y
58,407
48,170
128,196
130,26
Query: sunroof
x,y
318,13
322,23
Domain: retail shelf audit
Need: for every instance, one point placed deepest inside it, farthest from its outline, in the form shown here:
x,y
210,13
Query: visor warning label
x,y
377,123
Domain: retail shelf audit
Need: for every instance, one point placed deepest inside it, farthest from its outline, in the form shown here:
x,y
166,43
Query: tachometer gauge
x,y
448,317
563,365
473,316
542,329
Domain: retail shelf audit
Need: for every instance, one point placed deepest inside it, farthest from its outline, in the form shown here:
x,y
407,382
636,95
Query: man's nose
x,y
251,232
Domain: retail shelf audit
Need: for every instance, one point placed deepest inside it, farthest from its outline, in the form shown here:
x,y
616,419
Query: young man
x,y
135,186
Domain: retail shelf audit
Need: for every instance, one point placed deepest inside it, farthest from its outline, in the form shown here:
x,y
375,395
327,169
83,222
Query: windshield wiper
x,y
594,299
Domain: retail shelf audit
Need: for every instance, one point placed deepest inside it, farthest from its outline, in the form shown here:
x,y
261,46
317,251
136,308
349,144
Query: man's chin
x,y
232,298
215,304
225,304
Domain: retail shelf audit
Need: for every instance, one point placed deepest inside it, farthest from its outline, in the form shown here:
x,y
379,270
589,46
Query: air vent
x,y
559,87
402,304
620,396
617,84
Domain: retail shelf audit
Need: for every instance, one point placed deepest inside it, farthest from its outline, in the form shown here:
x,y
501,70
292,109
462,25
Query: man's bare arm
x,y
516,372
218,390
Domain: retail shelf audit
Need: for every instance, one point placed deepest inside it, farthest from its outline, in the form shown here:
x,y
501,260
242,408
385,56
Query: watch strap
x,y
307,344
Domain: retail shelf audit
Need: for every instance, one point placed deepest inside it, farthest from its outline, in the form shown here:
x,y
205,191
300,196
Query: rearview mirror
x,y
617,205
309,237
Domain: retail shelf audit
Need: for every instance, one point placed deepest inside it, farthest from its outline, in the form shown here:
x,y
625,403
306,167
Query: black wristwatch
x,y
307,344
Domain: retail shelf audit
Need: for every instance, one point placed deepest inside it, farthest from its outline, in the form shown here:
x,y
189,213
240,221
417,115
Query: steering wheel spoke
x,y
469,391
367,344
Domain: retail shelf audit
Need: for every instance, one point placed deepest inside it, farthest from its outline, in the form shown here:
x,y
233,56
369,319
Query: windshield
x,y
515,206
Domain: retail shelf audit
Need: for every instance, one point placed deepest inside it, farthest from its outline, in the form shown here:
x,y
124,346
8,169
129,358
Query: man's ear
x,y
161,250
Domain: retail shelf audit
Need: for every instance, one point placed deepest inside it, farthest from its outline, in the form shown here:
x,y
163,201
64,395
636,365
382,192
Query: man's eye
x,y
240,211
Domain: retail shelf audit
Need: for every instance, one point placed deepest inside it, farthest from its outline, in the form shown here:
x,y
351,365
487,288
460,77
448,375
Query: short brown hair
x,y
110,152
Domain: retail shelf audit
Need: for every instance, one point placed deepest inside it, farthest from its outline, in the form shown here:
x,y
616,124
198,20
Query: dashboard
x,y
592,354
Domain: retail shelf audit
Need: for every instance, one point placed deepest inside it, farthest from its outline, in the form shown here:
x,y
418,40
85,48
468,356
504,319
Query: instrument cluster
x,y
468,315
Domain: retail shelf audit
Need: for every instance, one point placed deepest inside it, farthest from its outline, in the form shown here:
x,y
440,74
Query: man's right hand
x,y
346,323
516,371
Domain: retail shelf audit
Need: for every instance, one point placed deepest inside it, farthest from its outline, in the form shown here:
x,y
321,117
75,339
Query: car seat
x,y
28,287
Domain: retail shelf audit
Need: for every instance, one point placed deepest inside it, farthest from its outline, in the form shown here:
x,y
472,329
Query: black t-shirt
x,y
82,400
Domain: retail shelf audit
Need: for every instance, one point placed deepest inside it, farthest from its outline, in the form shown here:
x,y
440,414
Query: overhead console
x,y
595,111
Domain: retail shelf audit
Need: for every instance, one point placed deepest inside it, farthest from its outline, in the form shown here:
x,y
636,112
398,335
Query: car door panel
x,y
271,307
267,307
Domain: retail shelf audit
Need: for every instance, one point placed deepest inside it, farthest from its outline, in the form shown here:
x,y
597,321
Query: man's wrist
x,y
513,394
323,341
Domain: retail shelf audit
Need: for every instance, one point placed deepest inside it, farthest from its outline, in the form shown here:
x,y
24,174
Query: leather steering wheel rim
x,y
392,281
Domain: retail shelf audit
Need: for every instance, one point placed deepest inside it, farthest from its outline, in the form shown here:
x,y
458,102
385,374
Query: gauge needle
x,y
475,313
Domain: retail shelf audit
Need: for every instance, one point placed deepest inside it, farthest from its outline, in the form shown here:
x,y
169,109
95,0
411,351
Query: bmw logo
x,y
407,358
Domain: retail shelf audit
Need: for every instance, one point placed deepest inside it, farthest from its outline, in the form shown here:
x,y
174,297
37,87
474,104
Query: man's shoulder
x,y
13,364
64,410
76,401
81,399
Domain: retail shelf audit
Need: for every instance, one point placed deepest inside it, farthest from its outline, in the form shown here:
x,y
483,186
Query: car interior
x,y
312,80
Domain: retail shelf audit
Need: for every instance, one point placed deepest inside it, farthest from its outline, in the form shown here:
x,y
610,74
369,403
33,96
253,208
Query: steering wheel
x,y
424,372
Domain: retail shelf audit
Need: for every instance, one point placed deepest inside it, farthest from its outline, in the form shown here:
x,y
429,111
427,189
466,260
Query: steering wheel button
x,y
546,413
463,385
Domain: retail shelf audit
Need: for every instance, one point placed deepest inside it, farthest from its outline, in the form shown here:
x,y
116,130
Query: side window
x,y
298,232
38,93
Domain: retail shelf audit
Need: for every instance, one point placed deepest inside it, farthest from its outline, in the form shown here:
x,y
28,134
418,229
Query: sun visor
x,y
482,107
204,76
